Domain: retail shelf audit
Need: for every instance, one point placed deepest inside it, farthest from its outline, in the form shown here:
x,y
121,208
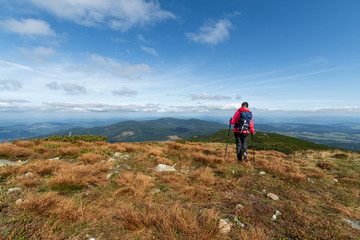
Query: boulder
x,y
164,168
4,162
224,226
355,224
262,173
15,189
277,213
272,196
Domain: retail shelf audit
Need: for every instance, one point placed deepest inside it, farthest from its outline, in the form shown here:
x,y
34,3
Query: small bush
x,y
340,156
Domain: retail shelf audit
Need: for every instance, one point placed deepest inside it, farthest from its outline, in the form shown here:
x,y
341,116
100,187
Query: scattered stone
x,y
112,160
272,196
18,201
185,172
4,162
155,191
310,180
239,206
125,166
277,213
353,223
237,221
29,175
109,176
164,168
262,173
224,226
54,159
120,155
15,189
335,180
92,239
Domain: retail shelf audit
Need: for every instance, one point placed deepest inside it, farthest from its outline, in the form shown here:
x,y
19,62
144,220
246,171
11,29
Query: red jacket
x,y
235,120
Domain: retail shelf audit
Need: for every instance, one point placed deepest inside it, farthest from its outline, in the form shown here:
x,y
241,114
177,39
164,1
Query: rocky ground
x,y
169,190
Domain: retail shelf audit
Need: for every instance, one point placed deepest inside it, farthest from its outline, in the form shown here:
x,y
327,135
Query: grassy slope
x,y
267,141
72,198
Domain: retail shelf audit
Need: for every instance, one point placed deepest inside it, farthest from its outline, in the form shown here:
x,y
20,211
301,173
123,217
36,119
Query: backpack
x,y
244,121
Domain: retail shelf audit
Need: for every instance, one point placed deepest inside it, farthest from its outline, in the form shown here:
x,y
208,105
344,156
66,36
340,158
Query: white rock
x,y
154,191
18,201
15,189
112,160
239,206
109,176
310,180
29,175
164,168
92,239
185,171
272,196
335,180
277,213
237,221
54,159
353,223
262,173
224,226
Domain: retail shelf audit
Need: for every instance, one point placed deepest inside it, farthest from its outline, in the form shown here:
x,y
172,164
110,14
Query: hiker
x,y
243,123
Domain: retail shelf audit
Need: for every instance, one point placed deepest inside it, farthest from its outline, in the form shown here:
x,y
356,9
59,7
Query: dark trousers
x,y
241,144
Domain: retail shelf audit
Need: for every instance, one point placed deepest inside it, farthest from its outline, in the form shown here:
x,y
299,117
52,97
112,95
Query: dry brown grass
x,y
14,151
23,143
208,159
51,204
274,163
68,151
90,158
74,177
171,222
133,185
326,165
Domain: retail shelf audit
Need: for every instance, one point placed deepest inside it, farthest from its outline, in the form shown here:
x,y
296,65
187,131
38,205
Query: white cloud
x,y
39,53
12,100
10,85
213,33
27,26
69,88
117,68
150,51
124,92
116,14
206,96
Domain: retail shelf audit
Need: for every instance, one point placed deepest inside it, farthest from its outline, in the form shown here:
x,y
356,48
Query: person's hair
x,y
245,104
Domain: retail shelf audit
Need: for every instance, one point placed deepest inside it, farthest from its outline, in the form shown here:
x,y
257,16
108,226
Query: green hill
x,y
151,130
266,141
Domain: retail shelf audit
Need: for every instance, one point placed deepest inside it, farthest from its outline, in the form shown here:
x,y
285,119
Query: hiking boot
x,y
246,157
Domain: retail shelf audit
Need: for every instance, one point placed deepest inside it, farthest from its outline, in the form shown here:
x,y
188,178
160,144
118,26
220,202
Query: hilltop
x,y
100,190
266,141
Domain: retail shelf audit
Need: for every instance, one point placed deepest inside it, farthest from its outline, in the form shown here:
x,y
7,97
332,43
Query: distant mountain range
x,y
342,135
162,129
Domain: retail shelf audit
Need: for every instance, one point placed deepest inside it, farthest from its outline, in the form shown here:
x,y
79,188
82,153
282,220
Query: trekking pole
x,y
227,140
252,139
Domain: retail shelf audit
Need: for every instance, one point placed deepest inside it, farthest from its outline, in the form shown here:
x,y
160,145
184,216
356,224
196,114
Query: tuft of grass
x,y
90,158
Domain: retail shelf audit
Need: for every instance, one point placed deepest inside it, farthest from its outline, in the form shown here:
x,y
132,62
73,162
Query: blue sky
x,y
126,57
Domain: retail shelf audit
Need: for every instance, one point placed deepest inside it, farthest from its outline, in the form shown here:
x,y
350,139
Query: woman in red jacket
x,y
243,124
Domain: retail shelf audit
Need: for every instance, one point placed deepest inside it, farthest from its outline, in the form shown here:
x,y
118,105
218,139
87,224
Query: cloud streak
x,y
150,51
27,26
206,96
10,85
68,88
116,14
124,92
212,33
